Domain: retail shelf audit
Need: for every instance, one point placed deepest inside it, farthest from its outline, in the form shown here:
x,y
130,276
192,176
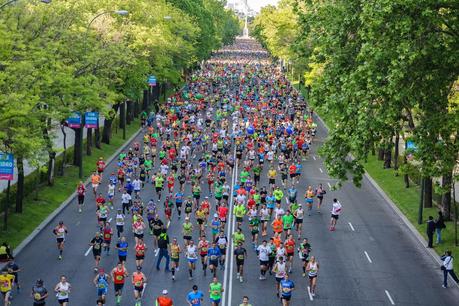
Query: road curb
x,y
64,204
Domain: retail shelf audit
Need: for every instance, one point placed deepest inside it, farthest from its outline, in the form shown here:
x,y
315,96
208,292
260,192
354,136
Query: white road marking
x,y
110,220
321,171
389,297
89,250
229,261
352,228
78,223
368,256
310,294
143,290
313,157
329,185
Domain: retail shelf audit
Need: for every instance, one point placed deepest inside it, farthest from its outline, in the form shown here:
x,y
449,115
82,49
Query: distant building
x,y
239,6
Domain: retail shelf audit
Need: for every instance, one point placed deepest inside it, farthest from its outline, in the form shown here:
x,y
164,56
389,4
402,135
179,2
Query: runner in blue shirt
x,y
195,297
287,286
214,255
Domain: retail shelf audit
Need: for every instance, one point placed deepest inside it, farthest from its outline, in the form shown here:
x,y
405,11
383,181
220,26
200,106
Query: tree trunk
x,y
64,153
446,182
122,115
51,165
428,192
107,131
20,184
130,111
380,154
396,152
406,179
145,100
77,147
388,157
88,141
97,136
51,153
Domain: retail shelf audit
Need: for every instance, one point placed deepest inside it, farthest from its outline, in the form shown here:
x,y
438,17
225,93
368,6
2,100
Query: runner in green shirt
x,y
287,220
159,182
278,194
148,163
238,237
239,212
215,292
244,176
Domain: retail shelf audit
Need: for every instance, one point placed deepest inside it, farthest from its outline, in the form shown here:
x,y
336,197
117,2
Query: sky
x,y
257,4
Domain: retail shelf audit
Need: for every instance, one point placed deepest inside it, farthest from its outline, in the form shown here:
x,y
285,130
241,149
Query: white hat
x,y
165,292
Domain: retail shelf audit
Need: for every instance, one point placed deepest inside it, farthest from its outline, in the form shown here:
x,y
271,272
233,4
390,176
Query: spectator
x,y
448,267
439,226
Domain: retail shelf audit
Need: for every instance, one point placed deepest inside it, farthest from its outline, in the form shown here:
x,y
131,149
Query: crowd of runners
x,y
223,157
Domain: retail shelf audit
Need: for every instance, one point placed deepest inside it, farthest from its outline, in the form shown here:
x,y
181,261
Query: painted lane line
x,y
321,171
229,267
352,227
368,256
329,185
389,297
314,157
89,250
110,220
310,294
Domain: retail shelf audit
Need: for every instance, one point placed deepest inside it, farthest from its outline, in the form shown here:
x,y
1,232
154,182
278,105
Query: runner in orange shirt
x,y
95,181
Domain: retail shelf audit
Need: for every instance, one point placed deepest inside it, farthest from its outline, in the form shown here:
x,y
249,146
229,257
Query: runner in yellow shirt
x,y
6,284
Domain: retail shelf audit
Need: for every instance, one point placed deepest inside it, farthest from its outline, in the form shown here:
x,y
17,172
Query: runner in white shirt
x,y
280,269
119,219
62,290
191,256
137,185
335,212
263,252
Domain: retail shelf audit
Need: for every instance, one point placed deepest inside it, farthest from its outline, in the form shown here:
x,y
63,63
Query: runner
x,y
287,286
139,281
195,297
203,247
62,290
263,252
175,256
96,246
192,257
140,249
304,250
313,270
215,291
164,299
122,247
214,254
60,231
335,212
240,254
95,181
39,293
119,275
6,281
81,191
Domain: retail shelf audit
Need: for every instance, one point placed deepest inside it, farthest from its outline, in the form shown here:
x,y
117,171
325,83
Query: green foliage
x,y
375,70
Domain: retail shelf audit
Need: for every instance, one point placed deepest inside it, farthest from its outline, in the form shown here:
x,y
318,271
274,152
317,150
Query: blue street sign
x,y
6,166
91,120
74,121
151,80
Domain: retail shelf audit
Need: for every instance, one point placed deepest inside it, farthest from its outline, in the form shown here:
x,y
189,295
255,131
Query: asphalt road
x,y
371,259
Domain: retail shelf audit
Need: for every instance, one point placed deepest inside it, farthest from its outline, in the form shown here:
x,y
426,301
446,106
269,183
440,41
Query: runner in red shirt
x,y
222,213
81,190
289,245
119,275
100,166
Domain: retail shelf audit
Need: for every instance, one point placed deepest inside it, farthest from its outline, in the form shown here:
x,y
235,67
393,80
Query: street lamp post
x,y
12,1
117,12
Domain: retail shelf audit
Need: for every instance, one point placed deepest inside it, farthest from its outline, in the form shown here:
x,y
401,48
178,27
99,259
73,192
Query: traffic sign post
x,y
151,81
6,173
